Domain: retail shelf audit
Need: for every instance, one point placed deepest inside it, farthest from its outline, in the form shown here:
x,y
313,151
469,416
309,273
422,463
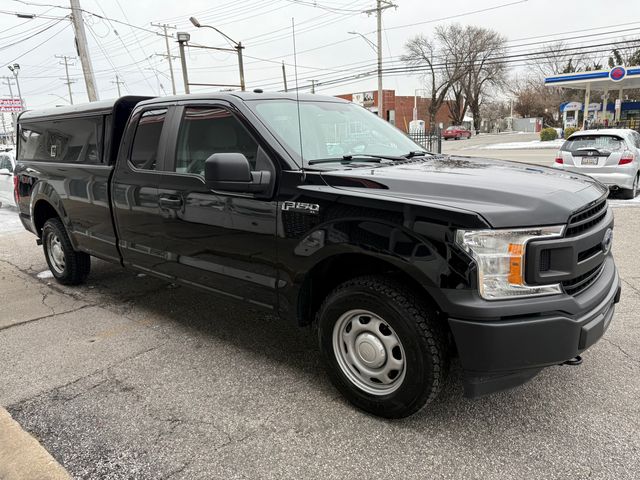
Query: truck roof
x,y
248,96
104,106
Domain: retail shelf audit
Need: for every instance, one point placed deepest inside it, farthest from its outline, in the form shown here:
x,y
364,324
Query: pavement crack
x,y
44,317
55,390
622,350
630,285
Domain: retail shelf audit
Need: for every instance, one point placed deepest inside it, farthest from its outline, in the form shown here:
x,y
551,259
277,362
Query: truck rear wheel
x,y
68,266
385,349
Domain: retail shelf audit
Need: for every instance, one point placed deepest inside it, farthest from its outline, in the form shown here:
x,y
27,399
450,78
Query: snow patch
x,y
45,274
532,145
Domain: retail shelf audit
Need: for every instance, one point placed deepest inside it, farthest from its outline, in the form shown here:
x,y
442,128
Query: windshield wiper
x,y
357,157
417,153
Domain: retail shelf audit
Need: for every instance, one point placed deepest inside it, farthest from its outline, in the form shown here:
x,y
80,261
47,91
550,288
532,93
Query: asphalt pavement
x,y
131,377
481,146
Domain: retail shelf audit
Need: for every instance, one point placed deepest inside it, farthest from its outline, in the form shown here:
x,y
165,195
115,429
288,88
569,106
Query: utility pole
x,y
164,26
184,37
380,6
239,47
284,77
83,50
313,86
118,82
66,69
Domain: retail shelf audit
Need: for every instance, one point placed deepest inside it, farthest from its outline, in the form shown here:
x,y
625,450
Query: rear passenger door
x,y
221,241
134,189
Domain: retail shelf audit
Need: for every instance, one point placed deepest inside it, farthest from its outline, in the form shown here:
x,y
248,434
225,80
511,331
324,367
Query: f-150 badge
x,y
300,207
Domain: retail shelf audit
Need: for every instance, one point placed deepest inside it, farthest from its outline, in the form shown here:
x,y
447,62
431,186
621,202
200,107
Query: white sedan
x,y
611,156
7,165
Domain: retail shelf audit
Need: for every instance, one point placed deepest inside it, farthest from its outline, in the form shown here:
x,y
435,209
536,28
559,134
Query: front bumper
x,y
502,353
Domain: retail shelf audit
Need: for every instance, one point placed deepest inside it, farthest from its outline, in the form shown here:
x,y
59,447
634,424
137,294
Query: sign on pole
x,y
10,105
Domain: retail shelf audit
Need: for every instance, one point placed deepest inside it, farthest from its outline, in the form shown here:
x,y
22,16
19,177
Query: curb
x,y
21,455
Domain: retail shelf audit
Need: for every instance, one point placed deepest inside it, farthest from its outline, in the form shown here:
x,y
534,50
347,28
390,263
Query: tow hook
x,y
574,362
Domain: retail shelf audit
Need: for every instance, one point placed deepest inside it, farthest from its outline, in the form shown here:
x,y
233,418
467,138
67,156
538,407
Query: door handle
x,y
170,201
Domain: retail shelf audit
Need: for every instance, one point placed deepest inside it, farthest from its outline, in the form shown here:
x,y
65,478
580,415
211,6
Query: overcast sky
x,y
325,48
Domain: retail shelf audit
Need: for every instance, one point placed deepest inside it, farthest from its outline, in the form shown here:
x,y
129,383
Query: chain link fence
x,y
430,140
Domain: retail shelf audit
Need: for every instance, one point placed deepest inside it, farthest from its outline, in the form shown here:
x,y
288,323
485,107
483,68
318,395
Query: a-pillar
x,y
587,99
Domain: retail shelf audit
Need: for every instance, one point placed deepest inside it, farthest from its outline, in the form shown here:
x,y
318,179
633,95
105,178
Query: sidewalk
x,y
22,457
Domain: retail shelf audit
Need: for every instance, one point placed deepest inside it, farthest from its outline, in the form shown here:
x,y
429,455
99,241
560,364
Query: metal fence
x,y
431,141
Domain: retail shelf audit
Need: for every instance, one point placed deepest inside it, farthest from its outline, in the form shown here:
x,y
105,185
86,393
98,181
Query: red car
x,y
456,132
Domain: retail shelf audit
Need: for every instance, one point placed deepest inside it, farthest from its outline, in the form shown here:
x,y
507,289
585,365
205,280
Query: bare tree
x,y
485,68
457,103
439,59
556,58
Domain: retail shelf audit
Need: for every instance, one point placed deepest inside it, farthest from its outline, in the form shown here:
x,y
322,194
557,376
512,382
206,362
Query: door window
x,y
208,130
144,152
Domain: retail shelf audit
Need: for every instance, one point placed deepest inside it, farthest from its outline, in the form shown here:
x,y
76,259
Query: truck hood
x,y
506,194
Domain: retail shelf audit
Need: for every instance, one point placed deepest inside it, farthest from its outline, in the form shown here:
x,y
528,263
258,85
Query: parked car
x,y
611,156
7,166
456,132
324,214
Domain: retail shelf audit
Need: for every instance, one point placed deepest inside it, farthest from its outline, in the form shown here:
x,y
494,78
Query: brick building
x,y
398,109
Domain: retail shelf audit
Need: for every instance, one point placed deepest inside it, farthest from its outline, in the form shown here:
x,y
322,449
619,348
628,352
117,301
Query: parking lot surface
x,y
481,146
131,377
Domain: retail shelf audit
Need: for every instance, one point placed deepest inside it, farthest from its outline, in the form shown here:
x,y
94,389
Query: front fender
x,y
423,259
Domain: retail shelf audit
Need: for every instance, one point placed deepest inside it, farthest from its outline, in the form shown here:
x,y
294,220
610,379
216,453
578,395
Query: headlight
x,y
500,257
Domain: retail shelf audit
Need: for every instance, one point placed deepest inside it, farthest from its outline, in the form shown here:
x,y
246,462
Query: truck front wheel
x,y
385,349
68,266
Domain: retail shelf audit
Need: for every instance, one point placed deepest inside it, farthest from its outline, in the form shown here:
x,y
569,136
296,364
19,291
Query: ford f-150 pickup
x,y
317,210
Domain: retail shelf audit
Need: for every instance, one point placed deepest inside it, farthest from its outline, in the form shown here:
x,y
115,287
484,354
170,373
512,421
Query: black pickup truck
x,y
319,211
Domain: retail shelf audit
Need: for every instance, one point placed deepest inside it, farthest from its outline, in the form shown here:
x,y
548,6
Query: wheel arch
x,y
331,271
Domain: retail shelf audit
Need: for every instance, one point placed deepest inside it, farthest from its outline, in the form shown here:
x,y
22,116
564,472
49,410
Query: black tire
x,y
630,193
75,266
423,338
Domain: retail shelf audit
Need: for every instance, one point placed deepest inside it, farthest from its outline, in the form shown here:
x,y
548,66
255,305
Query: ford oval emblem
x,y
617,73
607,241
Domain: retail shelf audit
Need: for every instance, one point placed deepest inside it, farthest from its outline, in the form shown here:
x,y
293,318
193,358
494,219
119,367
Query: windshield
x,y
607,143
331,130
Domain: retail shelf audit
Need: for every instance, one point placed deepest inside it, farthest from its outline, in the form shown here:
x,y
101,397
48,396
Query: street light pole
x,y
15,69
183,37
236,45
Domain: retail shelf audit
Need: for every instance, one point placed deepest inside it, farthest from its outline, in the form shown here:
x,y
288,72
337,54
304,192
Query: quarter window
x,y
73,140
144,153
205,131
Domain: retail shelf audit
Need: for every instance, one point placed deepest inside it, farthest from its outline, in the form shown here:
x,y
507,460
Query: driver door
x,y
221,241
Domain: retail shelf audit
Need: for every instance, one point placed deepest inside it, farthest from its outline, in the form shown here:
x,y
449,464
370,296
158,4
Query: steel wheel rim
x,y
369,352
55,253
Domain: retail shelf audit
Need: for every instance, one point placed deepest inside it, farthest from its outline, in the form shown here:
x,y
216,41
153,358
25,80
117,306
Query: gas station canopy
x,y
619,78
615,79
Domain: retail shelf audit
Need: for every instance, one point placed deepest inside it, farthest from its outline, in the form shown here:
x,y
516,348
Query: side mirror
x,y
231,172
4,171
